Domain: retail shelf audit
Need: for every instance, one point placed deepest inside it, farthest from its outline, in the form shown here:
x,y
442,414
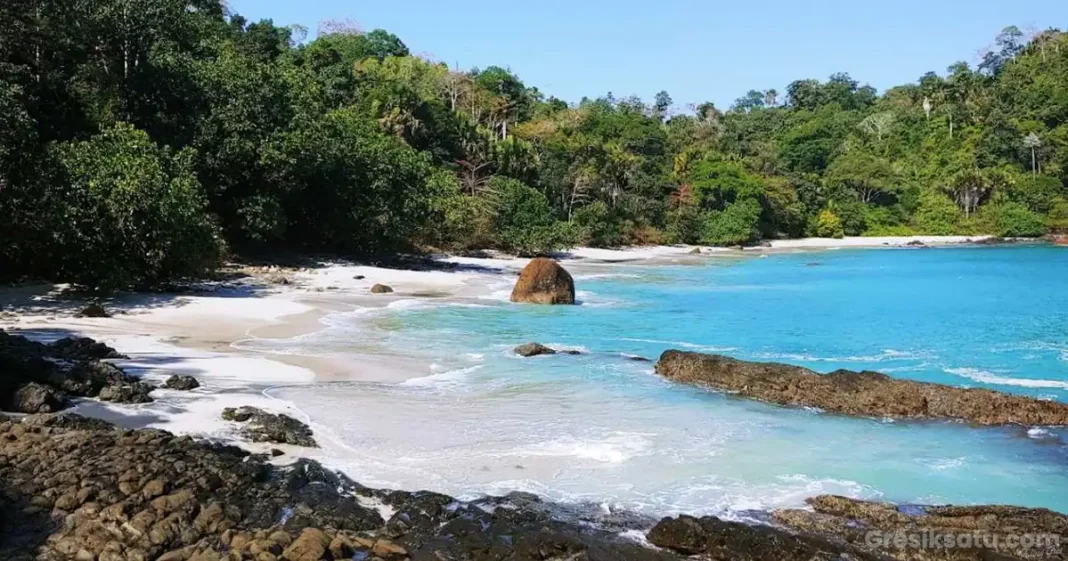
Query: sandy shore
x,y
208,334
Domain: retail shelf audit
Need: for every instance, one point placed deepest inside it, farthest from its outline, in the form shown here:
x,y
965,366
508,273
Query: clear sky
x,y
696,50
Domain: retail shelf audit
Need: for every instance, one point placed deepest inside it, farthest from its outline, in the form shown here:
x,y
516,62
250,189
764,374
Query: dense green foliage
x,y
140,138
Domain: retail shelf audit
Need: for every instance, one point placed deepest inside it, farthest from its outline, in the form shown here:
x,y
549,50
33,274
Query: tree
x,y
828,225
136,215
866,176
1032,142
662,104
970,188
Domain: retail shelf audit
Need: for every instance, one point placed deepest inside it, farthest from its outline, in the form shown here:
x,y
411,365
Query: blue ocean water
x,y
602,427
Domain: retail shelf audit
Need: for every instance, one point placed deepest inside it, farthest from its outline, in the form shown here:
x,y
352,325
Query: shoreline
x,y
203,334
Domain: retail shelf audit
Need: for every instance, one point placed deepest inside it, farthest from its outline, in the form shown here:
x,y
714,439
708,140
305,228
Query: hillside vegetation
x,y
141,140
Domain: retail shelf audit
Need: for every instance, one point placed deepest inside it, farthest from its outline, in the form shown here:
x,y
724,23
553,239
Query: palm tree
x,y
1033,142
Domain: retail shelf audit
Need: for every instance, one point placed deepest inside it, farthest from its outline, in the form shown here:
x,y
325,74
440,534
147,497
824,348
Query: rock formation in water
x,y
261,426
544,281
39,378
528,350
181,382
868,394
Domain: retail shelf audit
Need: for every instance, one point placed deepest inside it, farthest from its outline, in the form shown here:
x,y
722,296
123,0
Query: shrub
x,y
735,225
1013,220
684,225
597,226
136,214
937,215
1038,194
524,220
828,225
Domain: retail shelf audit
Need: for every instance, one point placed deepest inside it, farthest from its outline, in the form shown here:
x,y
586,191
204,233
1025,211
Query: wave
x,y
615,448
451,378
595,276
986,377
683,344
885,355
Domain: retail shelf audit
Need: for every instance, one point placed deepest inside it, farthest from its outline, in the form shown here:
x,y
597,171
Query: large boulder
x,y
533,349
32,397
544,281
863,394
381,289
181,382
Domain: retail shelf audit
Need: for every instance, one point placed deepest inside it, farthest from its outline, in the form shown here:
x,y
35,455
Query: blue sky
x,y
697,51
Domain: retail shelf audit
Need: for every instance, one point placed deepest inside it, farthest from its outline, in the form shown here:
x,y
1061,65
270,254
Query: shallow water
x,y
600,427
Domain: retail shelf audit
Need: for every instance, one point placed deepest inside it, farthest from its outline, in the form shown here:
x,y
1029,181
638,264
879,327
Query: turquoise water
x,y
600,427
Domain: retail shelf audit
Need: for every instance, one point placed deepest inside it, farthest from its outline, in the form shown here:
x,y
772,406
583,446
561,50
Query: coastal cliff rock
x,y
269,427
544,281
39,378
868,394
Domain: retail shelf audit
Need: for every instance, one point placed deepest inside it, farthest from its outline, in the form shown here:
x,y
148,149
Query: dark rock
x,y
181,382
636,358
270,427
82,348
381,289
135,392
734,541
533,349
94,311
33,397
813,264
544,281
867,394
358,277
916,243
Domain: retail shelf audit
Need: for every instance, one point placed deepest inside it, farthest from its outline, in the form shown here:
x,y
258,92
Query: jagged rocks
x,y
867,394
269,427
381,289
544,281
82,348
181,382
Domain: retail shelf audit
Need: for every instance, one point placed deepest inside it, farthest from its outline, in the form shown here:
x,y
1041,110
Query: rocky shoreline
x,y
863,394
75,488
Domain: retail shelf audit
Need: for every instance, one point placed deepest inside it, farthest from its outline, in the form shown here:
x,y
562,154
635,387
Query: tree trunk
x,y
1034,163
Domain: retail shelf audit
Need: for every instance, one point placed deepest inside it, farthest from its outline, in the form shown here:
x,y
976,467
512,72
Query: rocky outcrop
x,y
874,526
734,541
381,289
72,488
533,349
868,394
262,426
181,382
78,488
42,378
544,281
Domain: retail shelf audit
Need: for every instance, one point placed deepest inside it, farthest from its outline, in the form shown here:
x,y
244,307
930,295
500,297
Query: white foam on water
x,y
987,377
1039,433
683,344
614,448
447,379
885,355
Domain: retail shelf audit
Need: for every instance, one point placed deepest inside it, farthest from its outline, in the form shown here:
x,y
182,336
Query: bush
x,y
597,226
852,215
828,225
136,214
524,220
1058,217
684,225
937,215
1038,194
735,225
1013,220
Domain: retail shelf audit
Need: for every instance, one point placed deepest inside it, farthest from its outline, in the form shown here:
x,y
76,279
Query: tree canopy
x,y
142,139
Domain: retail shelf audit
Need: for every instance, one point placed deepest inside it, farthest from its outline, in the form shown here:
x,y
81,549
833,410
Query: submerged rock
x,y
270,427
94,311
381,289
180,382
533,349
867,394
544,281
